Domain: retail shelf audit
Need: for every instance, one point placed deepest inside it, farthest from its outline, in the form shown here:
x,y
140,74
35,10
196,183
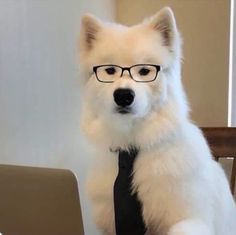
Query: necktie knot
x,y
127,158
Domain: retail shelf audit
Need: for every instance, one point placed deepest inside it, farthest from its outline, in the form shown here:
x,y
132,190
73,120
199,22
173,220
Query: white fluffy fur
x,y
182,190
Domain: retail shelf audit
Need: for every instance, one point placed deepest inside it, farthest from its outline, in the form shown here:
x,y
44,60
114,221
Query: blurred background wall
x,y
233,88
204,26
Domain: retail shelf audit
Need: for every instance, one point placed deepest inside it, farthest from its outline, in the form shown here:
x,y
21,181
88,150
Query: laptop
x,y
39,201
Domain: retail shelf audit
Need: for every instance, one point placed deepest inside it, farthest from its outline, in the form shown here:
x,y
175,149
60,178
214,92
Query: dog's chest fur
x,y
154,178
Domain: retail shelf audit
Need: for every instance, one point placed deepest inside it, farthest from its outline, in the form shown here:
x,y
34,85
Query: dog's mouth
x,y
122,110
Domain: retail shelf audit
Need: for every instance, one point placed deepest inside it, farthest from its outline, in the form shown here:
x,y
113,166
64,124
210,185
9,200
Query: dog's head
x,y
130,73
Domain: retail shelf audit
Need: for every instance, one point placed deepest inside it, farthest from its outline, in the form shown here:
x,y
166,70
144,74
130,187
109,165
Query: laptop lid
x,y
39,201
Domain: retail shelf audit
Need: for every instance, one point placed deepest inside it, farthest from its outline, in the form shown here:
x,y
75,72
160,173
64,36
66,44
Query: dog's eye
x,y
110,70
144,71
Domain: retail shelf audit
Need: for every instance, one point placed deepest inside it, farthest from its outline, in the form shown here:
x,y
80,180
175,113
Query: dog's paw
x,y
190,227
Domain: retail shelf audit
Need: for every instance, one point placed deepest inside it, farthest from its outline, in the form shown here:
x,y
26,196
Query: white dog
x,y
136,98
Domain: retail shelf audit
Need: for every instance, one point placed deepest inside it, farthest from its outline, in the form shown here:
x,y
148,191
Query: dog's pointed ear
x,y
90,27
164,22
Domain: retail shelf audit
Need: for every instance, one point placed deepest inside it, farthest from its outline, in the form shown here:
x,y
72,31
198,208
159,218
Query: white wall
x,y
39,94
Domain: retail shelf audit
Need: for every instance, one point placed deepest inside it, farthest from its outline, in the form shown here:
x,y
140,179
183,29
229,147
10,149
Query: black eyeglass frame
x,y
158,69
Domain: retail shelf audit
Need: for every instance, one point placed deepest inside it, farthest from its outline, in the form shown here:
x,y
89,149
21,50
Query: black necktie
x,y
128,213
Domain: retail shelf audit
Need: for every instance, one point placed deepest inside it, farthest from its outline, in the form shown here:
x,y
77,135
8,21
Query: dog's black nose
x,y
123,97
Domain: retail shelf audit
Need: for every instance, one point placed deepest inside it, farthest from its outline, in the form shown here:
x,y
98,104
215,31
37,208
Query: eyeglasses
x,y
140,72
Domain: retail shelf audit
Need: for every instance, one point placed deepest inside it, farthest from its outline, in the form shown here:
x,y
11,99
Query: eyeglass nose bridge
x,y
126,68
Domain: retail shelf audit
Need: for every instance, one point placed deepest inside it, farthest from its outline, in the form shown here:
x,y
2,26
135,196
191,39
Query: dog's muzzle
x,y
124,99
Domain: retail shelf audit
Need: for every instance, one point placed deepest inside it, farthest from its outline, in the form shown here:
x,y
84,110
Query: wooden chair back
x,y
222,141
